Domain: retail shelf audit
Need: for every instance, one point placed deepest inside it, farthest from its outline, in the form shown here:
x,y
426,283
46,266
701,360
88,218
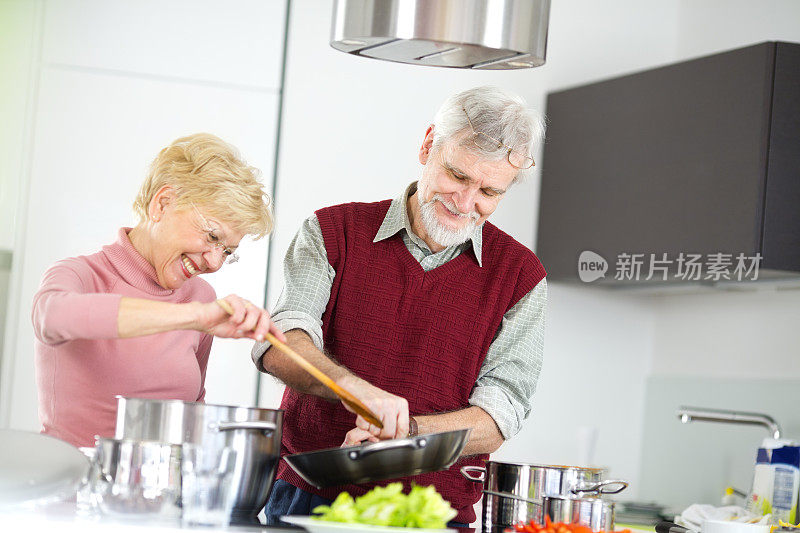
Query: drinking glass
x,y
207,488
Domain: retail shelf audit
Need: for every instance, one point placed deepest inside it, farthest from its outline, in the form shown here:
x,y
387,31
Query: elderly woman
x,y
134,319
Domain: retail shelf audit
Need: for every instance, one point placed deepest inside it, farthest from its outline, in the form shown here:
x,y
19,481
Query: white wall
x,y
710,26
117,81
751,334
598,348
18,19
726,350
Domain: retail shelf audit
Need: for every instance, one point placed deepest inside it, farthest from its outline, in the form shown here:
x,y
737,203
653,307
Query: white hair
x,y
493,111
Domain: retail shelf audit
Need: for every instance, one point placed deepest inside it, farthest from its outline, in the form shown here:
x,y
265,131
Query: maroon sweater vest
x,y
420,335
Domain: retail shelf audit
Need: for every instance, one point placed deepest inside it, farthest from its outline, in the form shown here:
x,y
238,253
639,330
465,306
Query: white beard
x,y
439,233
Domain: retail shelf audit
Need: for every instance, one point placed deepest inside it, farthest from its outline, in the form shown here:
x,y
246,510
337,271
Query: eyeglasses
x,y
230,255
486,143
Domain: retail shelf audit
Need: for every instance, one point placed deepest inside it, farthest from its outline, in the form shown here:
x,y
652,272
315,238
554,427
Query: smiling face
x,y
183,242
458,190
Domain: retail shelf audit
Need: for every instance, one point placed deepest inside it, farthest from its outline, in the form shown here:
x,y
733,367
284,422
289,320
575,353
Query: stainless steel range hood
x,y
477,34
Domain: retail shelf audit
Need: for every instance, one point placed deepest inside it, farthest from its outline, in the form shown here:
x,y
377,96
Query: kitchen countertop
x,y
67,517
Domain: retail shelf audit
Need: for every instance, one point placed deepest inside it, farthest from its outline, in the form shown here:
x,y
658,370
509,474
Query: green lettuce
x,y
422,507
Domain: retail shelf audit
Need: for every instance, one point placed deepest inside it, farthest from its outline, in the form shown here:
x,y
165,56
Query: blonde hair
x,y
204,170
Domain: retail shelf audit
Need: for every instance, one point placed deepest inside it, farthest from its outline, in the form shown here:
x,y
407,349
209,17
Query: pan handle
x,y
671,527
257,425
467,470
618,485
386,445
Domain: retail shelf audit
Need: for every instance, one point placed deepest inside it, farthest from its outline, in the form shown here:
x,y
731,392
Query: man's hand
x,y
392,410
356,436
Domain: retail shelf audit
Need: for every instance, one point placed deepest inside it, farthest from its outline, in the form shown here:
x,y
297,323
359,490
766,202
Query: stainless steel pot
x,y
137,478
515,492
380,460
254,433
595,513
502,510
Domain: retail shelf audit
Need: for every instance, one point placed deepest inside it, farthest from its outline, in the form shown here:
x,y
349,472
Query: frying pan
x,y
377,461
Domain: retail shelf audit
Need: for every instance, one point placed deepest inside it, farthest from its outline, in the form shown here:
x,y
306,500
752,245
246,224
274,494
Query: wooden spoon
x,y
323,378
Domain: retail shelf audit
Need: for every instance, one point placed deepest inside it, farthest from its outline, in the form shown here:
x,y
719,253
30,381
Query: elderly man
x,y
430,315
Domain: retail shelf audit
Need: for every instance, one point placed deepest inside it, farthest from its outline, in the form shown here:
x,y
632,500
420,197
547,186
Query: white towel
x,y
693,516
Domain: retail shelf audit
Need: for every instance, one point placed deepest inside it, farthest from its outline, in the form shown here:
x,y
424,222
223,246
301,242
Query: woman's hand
x,y
247,320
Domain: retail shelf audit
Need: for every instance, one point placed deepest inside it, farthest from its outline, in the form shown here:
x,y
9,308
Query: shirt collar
x,y
396,219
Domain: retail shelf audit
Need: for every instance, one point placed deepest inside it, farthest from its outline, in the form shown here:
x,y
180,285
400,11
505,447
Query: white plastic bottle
x,y
759,501
786,484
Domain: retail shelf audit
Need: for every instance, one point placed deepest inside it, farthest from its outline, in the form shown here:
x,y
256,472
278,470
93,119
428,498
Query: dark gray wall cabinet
x,y
700,157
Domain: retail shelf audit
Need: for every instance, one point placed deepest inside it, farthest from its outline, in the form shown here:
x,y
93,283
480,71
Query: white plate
x,y
38,467
321,526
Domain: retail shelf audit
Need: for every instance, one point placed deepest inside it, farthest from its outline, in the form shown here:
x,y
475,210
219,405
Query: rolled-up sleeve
x,y
510,371
308,278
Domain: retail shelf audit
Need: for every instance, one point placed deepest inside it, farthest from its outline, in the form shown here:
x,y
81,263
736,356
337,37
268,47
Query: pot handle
x,y
467,470
255,425
512,496
96,473
602,487
386,445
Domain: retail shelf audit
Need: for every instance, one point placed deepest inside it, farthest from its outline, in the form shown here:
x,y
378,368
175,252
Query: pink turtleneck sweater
x,y
81,364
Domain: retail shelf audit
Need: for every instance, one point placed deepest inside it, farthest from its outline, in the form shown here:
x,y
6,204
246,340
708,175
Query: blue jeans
x,y
286,499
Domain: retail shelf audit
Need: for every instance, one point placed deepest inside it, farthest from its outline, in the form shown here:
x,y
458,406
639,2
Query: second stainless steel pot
x,y
595,513
515,492
591,512
254,433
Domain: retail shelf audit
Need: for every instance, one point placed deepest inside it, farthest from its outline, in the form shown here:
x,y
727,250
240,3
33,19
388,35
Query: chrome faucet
x,y
690,414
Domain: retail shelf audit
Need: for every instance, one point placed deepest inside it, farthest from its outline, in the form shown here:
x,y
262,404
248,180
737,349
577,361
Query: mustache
x,y
472,215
